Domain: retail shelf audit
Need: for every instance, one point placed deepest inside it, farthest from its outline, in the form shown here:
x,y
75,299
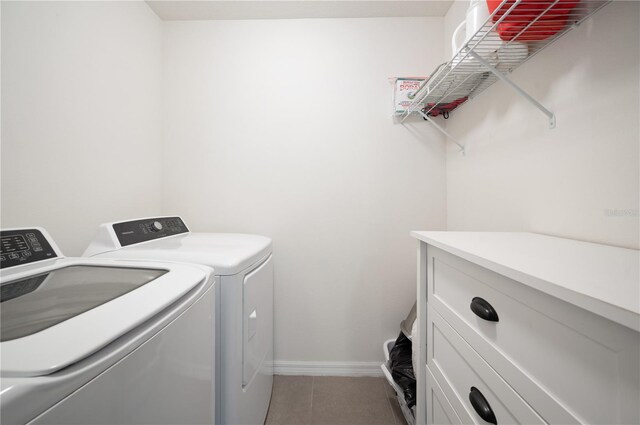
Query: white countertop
x,y
600,278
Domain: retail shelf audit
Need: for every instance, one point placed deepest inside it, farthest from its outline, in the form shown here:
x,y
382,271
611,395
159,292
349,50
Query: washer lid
x,y
56,316
227,253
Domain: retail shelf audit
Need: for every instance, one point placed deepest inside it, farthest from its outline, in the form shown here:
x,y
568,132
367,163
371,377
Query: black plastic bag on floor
x,y
402,368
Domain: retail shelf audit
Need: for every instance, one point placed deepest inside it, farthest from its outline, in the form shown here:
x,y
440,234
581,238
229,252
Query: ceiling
x,y
186,10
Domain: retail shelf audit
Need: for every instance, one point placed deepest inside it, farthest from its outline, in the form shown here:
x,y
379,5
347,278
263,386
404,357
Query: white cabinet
x,y
530,328
441,411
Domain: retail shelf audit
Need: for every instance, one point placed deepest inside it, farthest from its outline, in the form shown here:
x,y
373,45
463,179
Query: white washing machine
x,y
244,272
98,341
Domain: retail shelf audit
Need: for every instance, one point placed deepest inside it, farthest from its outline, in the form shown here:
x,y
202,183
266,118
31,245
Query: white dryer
x,y
244,272
98,341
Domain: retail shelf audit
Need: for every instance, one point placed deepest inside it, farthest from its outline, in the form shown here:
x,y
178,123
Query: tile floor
x,y
329,400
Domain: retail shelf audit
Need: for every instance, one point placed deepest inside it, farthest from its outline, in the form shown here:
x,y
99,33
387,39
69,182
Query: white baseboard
x,y
284,367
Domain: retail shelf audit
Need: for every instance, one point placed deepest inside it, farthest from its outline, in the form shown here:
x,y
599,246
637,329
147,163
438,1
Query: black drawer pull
x,y
483,310
481,406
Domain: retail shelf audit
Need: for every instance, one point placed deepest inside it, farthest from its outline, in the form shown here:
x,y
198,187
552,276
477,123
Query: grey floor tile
x,y
398,416
290,401
388,388
395,406
350,401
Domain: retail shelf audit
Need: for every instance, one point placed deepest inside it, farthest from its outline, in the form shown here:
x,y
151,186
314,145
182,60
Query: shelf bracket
x,y
514,86
442,130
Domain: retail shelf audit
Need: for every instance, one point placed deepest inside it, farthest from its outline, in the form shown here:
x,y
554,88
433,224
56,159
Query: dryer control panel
x,y
23,246
148,229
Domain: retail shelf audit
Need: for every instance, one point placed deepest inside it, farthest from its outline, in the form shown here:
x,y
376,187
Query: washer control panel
x,y
136,231
23,246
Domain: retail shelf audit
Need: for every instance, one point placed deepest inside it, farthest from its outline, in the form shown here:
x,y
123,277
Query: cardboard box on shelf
x,y
403,93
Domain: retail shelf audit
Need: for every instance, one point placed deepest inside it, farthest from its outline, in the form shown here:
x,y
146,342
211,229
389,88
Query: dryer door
x,y
257,326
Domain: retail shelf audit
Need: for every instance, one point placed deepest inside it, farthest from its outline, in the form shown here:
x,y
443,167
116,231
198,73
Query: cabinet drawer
x,y
566,362
459,369
439,410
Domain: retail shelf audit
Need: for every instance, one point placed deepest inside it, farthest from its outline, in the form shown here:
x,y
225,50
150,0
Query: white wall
x,y
283,128
520,175
81,111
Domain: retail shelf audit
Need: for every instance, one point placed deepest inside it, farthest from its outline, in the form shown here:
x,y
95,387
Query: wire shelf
x,y
486,57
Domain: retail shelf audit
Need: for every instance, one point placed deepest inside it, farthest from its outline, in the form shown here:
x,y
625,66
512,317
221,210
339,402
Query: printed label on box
x,y
404,90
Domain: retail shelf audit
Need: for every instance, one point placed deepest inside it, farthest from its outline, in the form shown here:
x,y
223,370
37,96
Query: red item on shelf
x,y
553,21
444,108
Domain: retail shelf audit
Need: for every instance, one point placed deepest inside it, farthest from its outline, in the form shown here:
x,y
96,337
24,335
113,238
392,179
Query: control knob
x,y
156,226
